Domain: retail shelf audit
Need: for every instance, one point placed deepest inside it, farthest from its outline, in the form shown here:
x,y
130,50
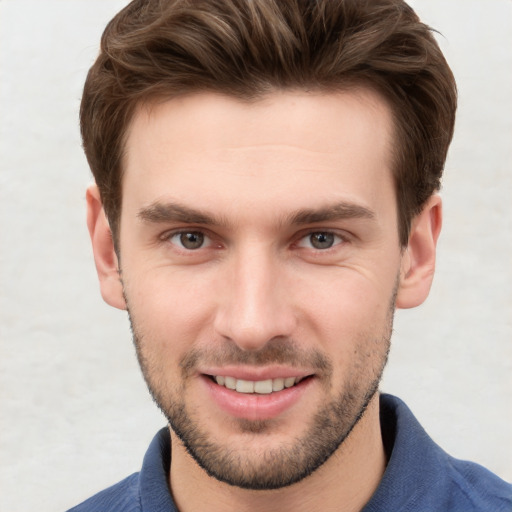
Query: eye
x,y
320,240
189,240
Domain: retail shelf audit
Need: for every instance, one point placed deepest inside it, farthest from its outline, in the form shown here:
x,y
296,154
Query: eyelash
x,y
338,239
168,236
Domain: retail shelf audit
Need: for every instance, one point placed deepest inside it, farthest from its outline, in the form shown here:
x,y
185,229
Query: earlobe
x,y
419,257
105,257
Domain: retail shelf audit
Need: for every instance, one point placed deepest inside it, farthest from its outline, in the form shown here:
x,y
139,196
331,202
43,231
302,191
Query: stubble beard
x,y
300,457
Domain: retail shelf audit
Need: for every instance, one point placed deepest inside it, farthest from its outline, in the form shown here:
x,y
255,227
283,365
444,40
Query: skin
x,y
257,181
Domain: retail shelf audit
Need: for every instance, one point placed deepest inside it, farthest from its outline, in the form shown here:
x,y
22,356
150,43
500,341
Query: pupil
x,y
192,240
322,240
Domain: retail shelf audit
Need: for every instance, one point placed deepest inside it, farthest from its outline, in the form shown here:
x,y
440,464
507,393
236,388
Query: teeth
x,y
261,387
277,384
244,386
230,382
289,382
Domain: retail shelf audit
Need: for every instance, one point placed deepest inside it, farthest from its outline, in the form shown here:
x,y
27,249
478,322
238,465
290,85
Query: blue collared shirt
x,y
420,476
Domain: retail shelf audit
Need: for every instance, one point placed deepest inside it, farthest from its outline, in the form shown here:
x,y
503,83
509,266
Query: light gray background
x,y
75,414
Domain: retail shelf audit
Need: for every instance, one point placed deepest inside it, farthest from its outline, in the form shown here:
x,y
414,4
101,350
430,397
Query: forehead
x,y
287,150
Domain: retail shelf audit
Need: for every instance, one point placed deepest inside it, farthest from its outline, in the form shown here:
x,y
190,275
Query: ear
x,y
419,257
105,257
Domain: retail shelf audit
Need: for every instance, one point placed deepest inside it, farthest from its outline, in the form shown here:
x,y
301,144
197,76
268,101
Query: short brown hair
x,y
247,48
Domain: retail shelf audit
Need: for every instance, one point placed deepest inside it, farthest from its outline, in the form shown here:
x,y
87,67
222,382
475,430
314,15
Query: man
x,y
265,197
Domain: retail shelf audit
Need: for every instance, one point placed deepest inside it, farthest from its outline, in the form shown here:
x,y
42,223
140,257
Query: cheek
x,y
352,324
349,302
169,310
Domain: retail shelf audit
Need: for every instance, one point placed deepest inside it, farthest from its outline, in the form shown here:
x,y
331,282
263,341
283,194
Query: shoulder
x,y
422,476
146,490
121,497
476,487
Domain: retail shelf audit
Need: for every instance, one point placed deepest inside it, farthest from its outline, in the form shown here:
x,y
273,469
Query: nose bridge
x,y
254,309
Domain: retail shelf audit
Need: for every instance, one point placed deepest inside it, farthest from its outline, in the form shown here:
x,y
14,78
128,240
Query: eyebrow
x,y
338,211
174,212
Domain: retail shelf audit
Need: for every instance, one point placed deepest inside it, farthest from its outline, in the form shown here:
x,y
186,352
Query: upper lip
x,y
255,373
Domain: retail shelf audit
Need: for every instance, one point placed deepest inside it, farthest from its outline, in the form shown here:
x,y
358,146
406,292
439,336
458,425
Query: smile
x,y
256,397
261,387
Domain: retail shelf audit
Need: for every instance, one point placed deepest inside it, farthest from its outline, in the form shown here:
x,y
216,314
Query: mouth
x,y
259,397
259,387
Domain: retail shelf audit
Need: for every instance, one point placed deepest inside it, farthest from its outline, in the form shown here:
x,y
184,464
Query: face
x,y
259,256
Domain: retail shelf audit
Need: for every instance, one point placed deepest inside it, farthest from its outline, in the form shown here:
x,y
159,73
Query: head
x,y
267,170
154,50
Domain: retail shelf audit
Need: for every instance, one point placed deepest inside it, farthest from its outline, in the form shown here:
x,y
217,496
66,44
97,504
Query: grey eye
x,y
322,240
191,240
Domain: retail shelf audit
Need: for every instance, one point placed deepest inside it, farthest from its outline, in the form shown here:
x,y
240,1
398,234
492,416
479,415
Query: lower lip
x,y
253,406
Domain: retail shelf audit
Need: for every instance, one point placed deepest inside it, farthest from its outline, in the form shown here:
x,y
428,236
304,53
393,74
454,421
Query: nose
x,y
255,306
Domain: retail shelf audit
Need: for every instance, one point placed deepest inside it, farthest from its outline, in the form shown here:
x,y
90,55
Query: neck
x,y
345,482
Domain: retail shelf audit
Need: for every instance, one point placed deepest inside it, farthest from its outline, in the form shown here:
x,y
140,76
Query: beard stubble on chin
x,y
296,459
